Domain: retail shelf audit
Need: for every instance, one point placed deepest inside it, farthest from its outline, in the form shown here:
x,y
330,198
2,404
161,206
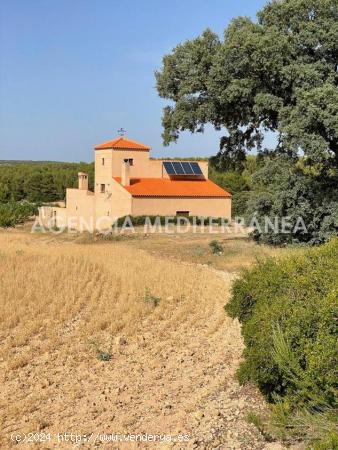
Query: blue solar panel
x,y
187,168
196,168
178,168
169,168
182,168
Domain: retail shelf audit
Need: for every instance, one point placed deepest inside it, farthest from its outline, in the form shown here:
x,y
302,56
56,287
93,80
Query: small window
x,y
103,188
182,213
103,161
131,162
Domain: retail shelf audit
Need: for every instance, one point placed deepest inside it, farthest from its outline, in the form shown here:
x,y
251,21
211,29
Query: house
x,y
128,182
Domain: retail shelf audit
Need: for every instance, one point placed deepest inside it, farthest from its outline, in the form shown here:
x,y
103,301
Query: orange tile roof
x,y
162,187
122,143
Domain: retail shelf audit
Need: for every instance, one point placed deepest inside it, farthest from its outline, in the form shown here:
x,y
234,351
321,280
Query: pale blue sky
x,y
72,72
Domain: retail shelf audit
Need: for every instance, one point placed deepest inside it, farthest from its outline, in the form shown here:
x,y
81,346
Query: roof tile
x,y
162,187
122,143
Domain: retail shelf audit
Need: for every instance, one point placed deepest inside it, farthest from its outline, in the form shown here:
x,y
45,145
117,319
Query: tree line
x,y
40,182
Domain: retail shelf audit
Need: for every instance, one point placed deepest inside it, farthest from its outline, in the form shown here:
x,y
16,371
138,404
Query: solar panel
x,y
196,168
169,168
187,168
178,168
182,168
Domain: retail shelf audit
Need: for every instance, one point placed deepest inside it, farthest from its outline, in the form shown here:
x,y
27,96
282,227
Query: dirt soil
x,y
172,378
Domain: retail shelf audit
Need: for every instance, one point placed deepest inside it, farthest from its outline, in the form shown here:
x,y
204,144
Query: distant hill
x,y
13,162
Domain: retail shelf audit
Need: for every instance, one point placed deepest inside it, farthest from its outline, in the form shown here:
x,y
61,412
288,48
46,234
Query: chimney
x,y
83,181
125,178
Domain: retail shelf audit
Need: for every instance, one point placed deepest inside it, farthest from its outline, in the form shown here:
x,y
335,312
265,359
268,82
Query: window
x,y
103,161
182,213
102,188
131,162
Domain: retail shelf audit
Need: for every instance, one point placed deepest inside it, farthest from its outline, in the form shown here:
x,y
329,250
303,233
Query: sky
x,y
72,72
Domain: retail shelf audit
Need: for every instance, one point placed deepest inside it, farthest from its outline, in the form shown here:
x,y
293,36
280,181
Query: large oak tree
x,y
277,74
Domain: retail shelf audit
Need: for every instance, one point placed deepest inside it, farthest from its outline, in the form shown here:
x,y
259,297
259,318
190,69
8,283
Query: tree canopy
x,y
40,182
277,74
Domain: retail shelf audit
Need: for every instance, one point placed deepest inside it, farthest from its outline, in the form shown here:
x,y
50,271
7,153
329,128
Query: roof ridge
x,y
132,140
122,142
126,139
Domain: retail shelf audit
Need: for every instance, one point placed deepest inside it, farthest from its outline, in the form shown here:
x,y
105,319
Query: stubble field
x,y
120,337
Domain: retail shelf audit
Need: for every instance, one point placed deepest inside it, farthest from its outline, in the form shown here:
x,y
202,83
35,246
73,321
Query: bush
x,y
232,182
142,220
216,247
239,203
288,311
289,307
14,213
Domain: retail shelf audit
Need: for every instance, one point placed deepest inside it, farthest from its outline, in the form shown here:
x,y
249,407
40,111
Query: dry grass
x,y
104,289
238,251
58,295
57,298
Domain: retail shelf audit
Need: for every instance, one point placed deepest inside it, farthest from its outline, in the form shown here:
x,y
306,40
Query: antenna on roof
x,y
121,132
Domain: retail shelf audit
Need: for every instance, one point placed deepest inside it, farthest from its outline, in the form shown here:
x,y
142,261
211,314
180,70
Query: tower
x,y
103,170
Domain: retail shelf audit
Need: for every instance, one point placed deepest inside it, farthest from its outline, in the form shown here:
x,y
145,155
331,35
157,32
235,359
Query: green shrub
x,y
13,213
318,428
330,442
102,355
216,246
297,298
232,182
151,299
239,203
142,220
